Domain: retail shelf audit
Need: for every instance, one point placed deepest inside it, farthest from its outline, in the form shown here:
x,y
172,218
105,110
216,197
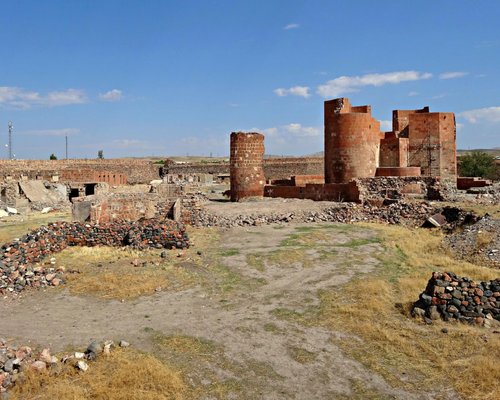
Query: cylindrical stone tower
x,y
352,142
247,165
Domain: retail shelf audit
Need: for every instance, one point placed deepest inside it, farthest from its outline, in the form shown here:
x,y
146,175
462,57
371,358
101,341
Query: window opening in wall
x,y
74,192
90,189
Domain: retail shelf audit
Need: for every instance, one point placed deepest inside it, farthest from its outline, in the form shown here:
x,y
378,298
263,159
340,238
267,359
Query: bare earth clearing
x,y
235,313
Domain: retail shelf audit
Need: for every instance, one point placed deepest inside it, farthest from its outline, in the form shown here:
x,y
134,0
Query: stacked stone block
x,y
449,296
246,165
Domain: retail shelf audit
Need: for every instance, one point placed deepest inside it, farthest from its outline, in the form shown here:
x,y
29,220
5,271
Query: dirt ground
x,y
250,343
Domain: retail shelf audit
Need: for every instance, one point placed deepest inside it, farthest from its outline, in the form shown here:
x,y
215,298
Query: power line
x,y
11,128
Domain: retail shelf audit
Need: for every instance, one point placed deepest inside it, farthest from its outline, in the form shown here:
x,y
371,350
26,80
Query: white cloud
x,y
112,95
351,84
459,126
52,132
19,98
452,75
302,91
438,96
299,130
488,114
413,94
291,26
293,129
385,125
131,143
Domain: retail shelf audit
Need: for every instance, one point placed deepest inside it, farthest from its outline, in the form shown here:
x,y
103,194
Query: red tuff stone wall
x,y
398,171
274,168
246,165
317,192
88,175
401,119
393,151
135,170
352,142
432,144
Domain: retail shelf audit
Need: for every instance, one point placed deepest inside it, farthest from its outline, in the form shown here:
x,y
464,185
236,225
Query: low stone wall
x,y
122,206
17,259
274,168
395,188
318,192
449,296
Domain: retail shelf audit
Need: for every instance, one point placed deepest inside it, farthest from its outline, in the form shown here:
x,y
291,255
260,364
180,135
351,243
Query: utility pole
x,y
11,127
66,147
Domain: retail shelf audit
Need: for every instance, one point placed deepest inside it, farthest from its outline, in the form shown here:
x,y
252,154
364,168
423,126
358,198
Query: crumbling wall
x,y
246,165
89,175
17,271
317,192
395,188
135,170
432,144
274,168
401,120
393,151
122,206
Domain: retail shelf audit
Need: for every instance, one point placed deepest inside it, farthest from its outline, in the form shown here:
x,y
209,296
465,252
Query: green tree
x,y
53,157
100,154
477,163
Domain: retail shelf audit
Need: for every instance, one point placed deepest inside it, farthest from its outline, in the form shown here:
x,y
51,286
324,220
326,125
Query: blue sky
x,y
139,78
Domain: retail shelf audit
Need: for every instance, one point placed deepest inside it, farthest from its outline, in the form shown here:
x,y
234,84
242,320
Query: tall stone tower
x,y
352,141
247,165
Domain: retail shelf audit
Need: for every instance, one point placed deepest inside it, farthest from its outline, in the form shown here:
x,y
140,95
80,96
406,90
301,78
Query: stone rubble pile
x,y
18,259
449,296
396,213
15,361
478,242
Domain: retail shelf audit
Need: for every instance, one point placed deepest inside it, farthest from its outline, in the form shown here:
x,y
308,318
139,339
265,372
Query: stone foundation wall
x,y
129,207
17,271
318,192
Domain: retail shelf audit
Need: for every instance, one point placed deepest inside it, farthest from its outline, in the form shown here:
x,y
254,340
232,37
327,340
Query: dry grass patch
x,y
108,272
407,353
484,239
17,226
124,375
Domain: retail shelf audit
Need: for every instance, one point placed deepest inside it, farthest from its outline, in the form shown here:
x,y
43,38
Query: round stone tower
x,y
352,141
247,165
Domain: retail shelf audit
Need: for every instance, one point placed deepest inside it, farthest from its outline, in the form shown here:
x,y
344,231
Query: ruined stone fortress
x,y
420,151
361,164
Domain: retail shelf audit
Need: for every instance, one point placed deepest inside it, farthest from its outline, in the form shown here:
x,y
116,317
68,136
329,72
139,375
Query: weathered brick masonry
x,y
112,171
358,156
274,168
352,141
246,165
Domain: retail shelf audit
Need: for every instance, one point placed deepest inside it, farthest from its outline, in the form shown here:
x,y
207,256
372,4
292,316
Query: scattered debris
x,y
479,242
16,360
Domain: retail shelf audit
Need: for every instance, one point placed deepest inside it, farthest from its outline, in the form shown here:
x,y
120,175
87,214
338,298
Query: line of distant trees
x,y
100,155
